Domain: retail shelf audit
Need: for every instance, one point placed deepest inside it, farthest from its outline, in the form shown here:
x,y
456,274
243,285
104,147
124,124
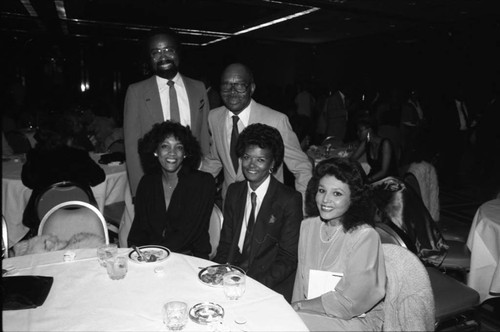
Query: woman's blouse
x,y
184,226
357,254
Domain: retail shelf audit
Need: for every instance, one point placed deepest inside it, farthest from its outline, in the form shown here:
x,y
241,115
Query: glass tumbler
x,y
106,252
175,315
234,284
117,267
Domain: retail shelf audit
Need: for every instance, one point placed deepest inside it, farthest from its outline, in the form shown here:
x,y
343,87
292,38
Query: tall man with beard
x,y
167,95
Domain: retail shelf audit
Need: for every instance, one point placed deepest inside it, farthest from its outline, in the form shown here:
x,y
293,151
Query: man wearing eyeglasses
x,y
167,95
239,111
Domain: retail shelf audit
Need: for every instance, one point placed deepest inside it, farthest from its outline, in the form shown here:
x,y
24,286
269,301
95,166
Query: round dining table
x,y
84,298
484,243
15,195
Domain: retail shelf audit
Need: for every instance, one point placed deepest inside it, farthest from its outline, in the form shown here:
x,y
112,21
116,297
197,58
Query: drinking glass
x,y
175,315
234,284
117,267
106,252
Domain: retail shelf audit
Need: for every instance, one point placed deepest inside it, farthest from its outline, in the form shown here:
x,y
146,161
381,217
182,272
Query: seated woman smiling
x,y
174,200
261,215
339,238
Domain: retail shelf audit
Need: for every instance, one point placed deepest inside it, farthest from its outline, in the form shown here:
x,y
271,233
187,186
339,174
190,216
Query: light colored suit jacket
x,y
143,110
219,156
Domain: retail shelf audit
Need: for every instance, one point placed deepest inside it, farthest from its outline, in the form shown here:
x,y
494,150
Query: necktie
x,y
247,244
174,104
234,137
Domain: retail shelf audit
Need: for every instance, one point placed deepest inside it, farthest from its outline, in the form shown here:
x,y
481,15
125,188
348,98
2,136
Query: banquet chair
x,y
117,146
5,239
216,220
71,217
61,192
455,302
409,301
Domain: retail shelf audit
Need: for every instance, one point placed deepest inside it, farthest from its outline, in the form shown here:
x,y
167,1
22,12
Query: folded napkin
x,y
25,292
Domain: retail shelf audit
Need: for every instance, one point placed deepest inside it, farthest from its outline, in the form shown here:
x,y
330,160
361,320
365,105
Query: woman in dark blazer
x,y
264,245
174,200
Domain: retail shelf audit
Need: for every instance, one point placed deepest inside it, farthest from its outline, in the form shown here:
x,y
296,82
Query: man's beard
x,y
166,73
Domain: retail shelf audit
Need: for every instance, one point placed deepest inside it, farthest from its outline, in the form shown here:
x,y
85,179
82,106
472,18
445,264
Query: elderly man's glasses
x,y
238,86
156,53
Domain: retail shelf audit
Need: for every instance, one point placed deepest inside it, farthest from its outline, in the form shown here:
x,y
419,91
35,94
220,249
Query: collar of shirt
x,y
182,98
261,192
162,82
242,123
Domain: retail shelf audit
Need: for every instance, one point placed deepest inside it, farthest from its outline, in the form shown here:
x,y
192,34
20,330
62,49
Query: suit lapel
x,y
153,101
262,220
239,214
195,107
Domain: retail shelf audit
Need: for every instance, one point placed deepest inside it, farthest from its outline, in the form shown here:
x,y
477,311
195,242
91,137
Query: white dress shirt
x,y
182,99
244,117
260,192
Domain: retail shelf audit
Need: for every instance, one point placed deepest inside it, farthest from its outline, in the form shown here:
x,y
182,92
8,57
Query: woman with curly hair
x,y
261,215
174,200
339,237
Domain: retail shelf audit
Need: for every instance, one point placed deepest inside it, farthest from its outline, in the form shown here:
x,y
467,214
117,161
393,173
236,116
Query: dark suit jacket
x,y
184,226
143,110
273,255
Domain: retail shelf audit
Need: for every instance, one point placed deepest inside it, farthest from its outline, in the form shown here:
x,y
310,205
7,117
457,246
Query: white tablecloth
x,y
484,244
15,195
83,298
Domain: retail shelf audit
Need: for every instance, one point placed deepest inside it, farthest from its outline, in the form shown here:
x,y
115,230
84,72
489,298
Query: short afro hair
x,y
265,137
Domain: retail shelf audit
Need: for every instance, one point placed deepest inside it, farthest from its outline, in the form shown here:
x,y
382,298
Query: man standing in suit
x,y
167,95
239,111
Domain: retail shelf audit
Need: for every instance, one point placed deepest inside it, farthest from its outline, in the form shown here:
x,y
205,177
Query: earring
x,y
156,154
271,170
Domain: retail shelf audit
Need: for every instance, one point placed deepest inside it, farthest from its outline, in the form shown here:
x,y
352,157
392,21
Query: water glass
x,y
106,252
234,284
117,267
175,315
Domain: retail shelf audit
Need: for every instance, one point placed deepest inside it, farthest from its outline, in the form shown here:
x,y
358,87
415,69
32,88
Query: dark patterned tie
x,y
174,104
247,244
234,137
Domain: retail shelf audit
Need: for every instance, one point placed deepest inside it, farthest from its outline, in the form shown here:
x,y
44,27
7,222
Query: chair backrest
x,y
409,301
216,220
5,239
117,146
61,192
391,234
71,217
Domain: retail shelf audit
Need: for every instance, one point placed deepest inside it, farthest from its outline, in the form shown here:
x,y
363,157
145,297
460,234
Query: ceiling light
x,y
278,20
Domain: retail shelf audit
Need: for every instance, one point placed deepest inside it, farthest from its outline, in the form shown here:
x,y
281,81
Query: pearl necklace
x,y
323,232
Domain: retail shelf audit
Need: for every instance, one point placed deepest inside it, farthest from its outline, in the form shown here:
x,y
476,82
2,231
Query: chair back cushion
x,y
61,192
214,229
451,296
72,217
409,302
